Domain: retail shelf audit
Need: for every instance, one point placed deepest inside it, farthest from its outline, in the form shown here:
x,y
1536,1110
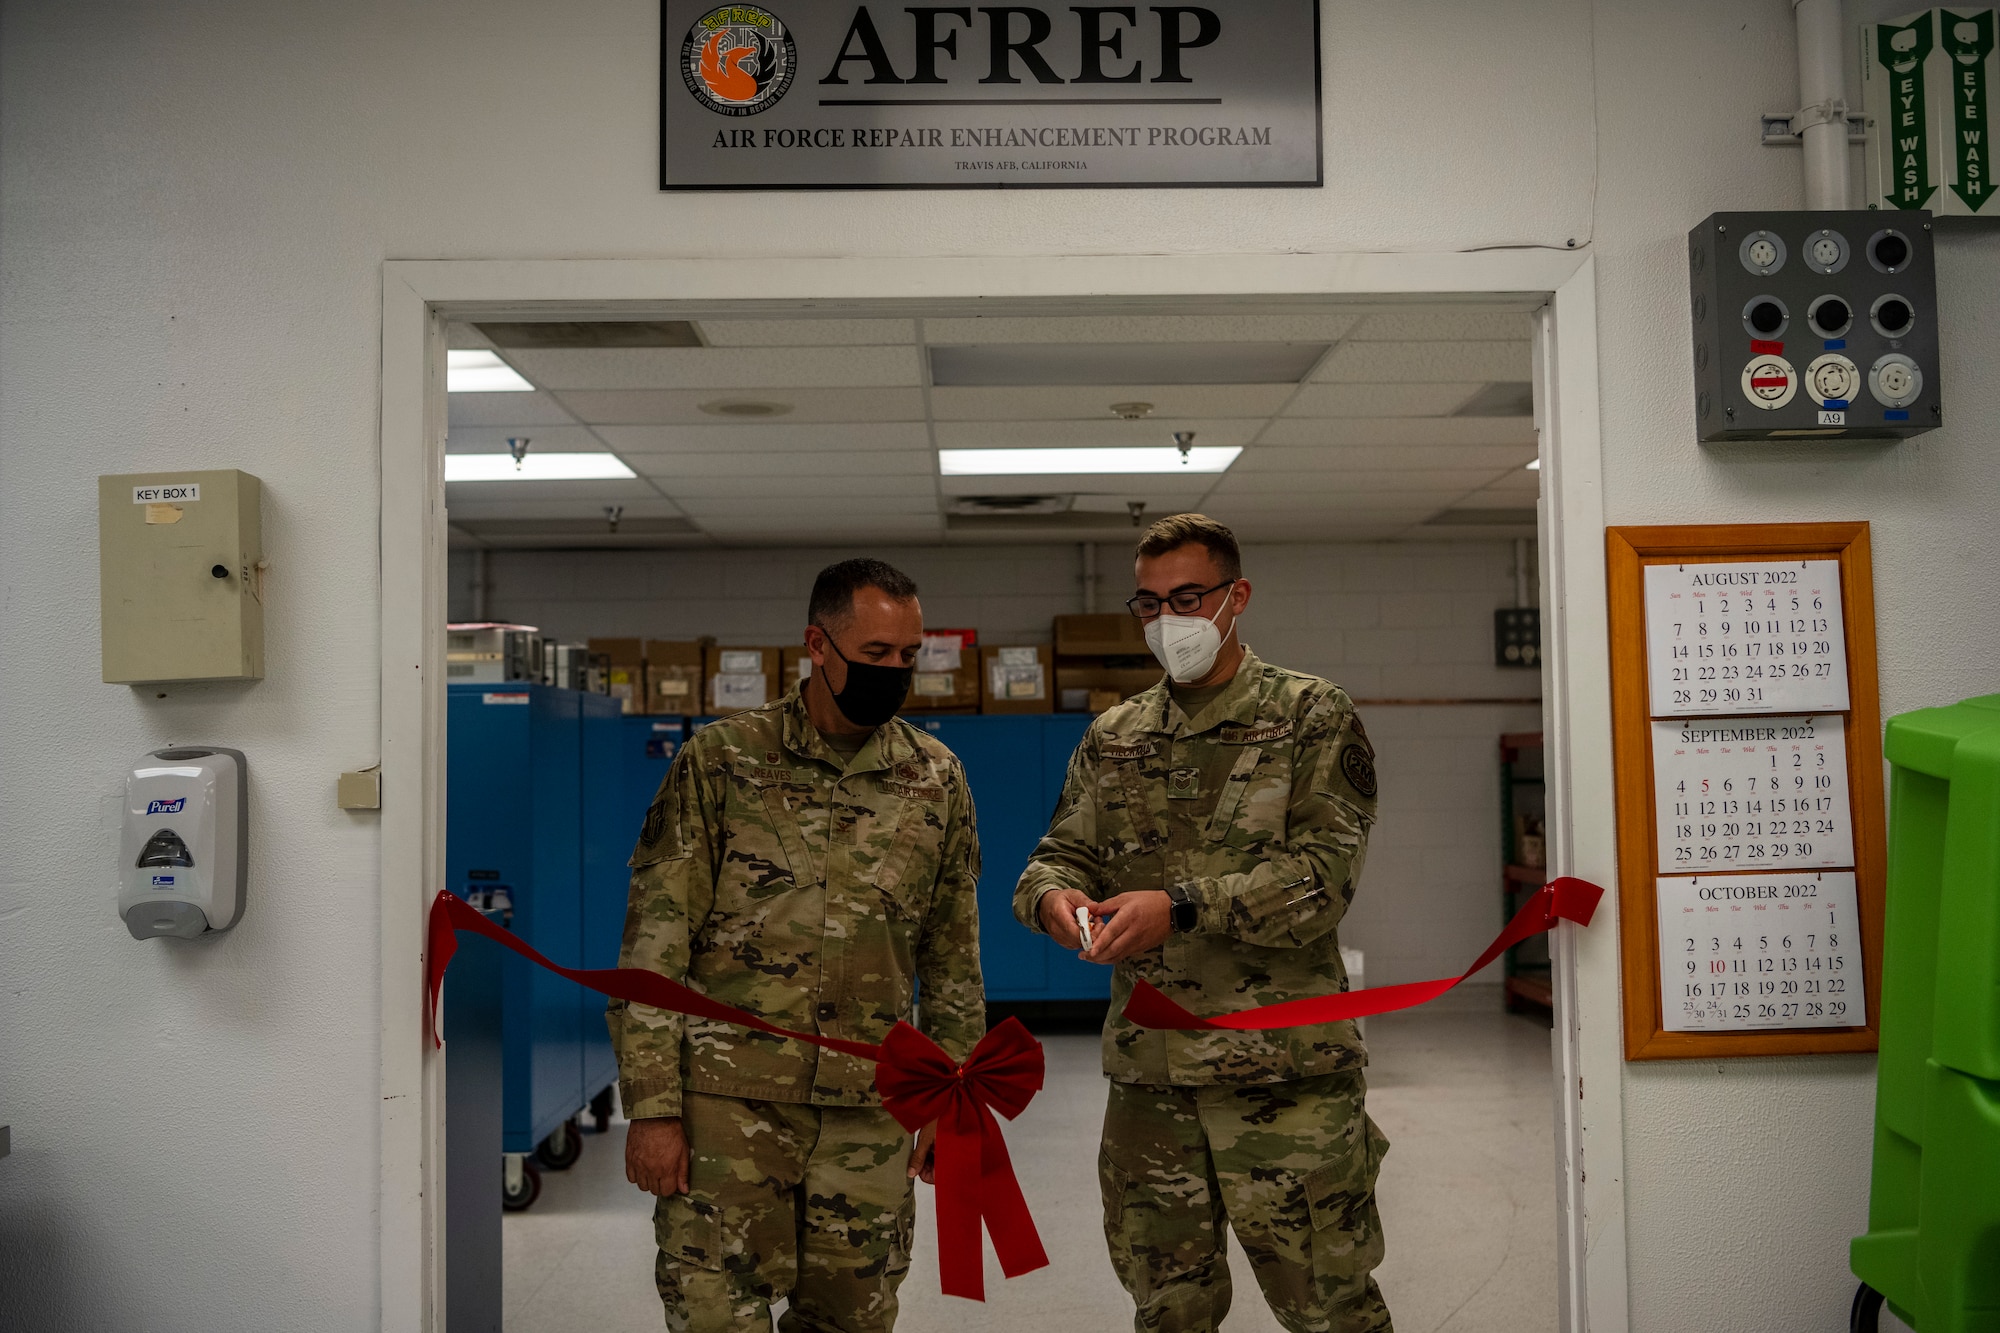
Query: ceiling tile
x,y
1109,431
1425,362
541,439
779,485
481,492
466,337
1134,486
785,509
807,332
1490,458
1332,503
1141,328
1040,364
1380,400
1400,430
1436,322
768,438
717,367
1515,483
683,406
666,468
472,511
505,409
1086,403
1455,481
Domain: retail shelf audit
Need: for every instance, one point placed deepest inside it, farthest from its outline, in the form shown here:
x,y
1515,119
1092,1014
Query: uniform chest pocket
x,y
1250,809
1131,800
899,850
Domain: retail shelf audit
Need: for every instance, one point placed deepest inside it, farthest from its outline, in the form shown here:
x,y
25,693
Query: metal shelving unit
x,y
1521,799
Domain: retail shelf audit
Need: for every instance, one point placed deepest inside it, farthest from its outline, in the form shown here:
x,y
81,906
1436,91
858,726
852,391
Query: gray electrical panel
x,y
1814,325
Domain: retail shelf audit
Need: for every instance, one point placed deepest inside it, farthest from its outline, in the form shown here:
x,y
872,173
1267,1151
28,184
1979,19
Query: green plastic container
x,y
1933,1242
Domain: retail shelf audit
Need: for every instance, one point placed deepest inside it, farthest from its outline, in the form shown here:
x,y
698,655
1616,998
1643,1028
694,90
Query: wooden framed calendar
x,y
1747,751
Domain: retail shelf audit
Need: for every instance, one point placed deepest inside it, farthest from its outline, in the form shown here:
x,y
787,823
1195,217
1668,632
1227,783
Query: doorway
x,y
416,422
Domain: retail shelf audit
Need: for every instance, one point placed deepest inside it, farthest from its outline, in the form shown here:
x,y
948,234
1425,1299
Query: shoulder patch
x,y
1358,769
1236,733
655,825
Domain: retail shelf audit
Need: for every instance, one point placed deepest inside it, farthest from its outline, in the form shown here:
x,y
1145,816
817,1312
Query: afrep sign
x,y
807,94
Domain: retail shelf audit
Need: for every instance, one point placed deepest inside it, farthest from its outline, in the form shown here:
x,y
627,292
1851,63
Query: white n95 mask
x,y
1187,645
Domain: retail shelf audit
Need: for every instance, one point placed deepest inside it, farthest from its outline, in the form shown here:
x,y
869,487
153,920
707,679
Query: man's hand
x,y
1058,912
656,1155
923,1157
1138,922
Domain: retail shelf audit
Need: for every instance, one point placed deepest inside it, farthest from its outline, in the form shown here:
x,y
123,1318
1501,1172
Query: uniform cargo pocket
x,y
1155,1235
1347,1241
689,1232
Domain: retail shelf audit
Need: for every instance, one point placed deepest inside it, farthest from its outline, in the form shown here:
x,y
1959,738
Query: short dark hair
x,y
1178,530
834,589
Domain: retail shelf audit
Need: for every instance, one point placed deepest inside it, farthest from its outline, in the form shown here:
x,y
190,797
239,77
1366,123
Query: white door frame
x,y
418,296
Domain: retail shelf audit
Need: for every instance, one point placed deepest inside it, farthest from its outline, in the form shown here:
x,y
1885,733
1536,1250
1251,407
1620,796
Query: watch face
x,y
1185,915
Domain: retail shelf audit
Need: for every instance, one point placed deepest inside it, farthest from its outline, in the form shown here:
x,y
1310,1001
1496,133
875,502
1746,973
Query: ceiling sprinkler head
x,y
517,445
612,513
1184,441
1137,509
1132,411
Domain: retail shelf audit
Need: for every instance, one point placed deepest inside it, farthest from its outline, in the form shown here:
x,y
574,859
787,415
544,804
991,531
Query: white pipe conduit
x,y
1822,118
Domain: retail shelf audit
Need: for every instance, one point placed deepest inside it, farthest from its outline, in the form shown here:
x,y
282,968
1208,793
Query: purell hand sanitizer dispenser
x,y
183,850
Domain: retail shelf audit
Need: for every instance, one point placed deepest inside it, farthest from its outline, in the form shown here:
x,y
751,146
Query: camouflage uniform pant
x,y
1289,1166
786,1200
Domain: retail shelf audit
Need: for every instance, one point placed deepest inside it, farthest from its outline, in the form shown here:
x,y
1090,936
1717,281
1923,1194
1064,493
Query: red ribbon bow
x,y
917,1080
975,1177
1561,899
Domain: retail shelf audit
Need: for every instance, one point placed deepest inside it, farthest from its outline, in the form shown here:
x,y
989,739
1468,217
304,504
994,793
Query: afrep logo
x,y
172,807
738,60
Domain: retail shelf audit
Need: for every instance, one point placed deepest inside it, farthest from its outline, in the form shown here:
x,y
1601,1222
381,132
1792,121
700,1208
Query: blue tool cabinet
x,y
1015,765
514,829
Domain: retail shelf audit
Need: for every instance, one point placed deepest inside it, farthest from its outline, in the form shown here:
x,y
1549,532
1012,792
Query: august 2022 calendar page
x,y
1751,636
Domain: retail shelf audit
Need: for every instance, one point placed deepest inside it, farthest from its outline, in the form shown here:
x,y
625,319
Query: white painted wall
x,y
1733,1221
1384,620
195,199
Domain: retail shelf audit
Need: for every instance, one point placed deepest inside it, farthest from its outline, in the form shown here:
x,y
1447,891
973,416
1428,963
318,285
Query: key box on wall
x,y
1814,325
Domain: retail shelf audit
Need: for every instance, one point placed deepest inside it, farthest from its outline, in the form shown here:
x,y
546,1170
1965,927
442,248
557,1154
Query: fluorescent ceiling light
x,y
476,371
1534,465
535,467
1043,462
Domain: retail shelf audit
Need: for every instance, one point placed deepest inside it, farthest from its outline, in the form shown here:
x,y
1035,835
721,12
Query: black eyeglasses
x,y
1184,603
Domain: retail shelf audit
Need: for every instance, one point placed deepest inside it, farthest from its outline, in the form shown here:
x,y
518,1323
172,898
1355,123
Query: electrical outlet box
x,y
180,583
1517,637
1814,325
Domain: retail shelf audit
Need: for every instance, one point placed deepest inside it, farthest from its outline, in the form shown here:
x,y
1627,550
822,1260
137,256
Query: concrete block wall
x,y
1389,622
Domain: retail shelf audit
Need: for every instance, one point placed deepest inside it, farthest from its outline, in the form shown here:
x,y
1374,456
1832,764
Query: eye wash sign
x,y
1928,82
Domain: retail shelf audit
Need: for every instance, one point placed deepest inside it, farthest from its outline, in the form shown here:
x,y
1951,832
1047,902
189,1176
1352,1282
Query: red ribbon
x,y
1561,899
919,1084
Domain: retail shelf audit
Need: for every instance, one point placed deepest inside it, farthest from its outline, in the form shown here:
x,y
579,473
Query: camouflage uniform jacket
x,y
814,894
1261,804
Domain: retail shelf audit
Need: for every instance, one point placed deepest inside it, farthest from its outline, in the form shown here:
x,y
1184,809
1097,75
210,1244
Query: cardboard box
x,y
947,676
675,671
1120,681
1114,635
1018,680
739,678
796,664
626,669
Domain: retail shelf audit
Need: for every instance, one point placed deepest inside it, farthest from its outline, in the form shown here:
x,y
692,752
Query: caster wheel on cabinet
x,y
560,1150
519,1188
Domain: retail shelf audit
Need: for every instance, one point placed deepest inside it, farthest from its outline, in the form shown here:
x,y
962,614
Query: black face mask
x,y
873,693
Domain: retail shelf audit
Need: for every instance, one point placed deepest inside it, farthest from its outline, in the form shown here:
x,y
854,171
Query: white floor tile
x,y
1467,1198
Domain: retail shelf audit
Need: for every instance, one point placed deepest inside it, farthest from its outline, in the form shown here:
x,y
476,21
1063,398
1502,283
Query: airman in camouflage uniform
x,y
1257,808
816,891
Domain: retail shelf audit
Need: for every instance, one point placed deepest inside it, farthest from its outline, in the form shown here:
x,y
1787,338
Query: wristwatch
x,y
1185,911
